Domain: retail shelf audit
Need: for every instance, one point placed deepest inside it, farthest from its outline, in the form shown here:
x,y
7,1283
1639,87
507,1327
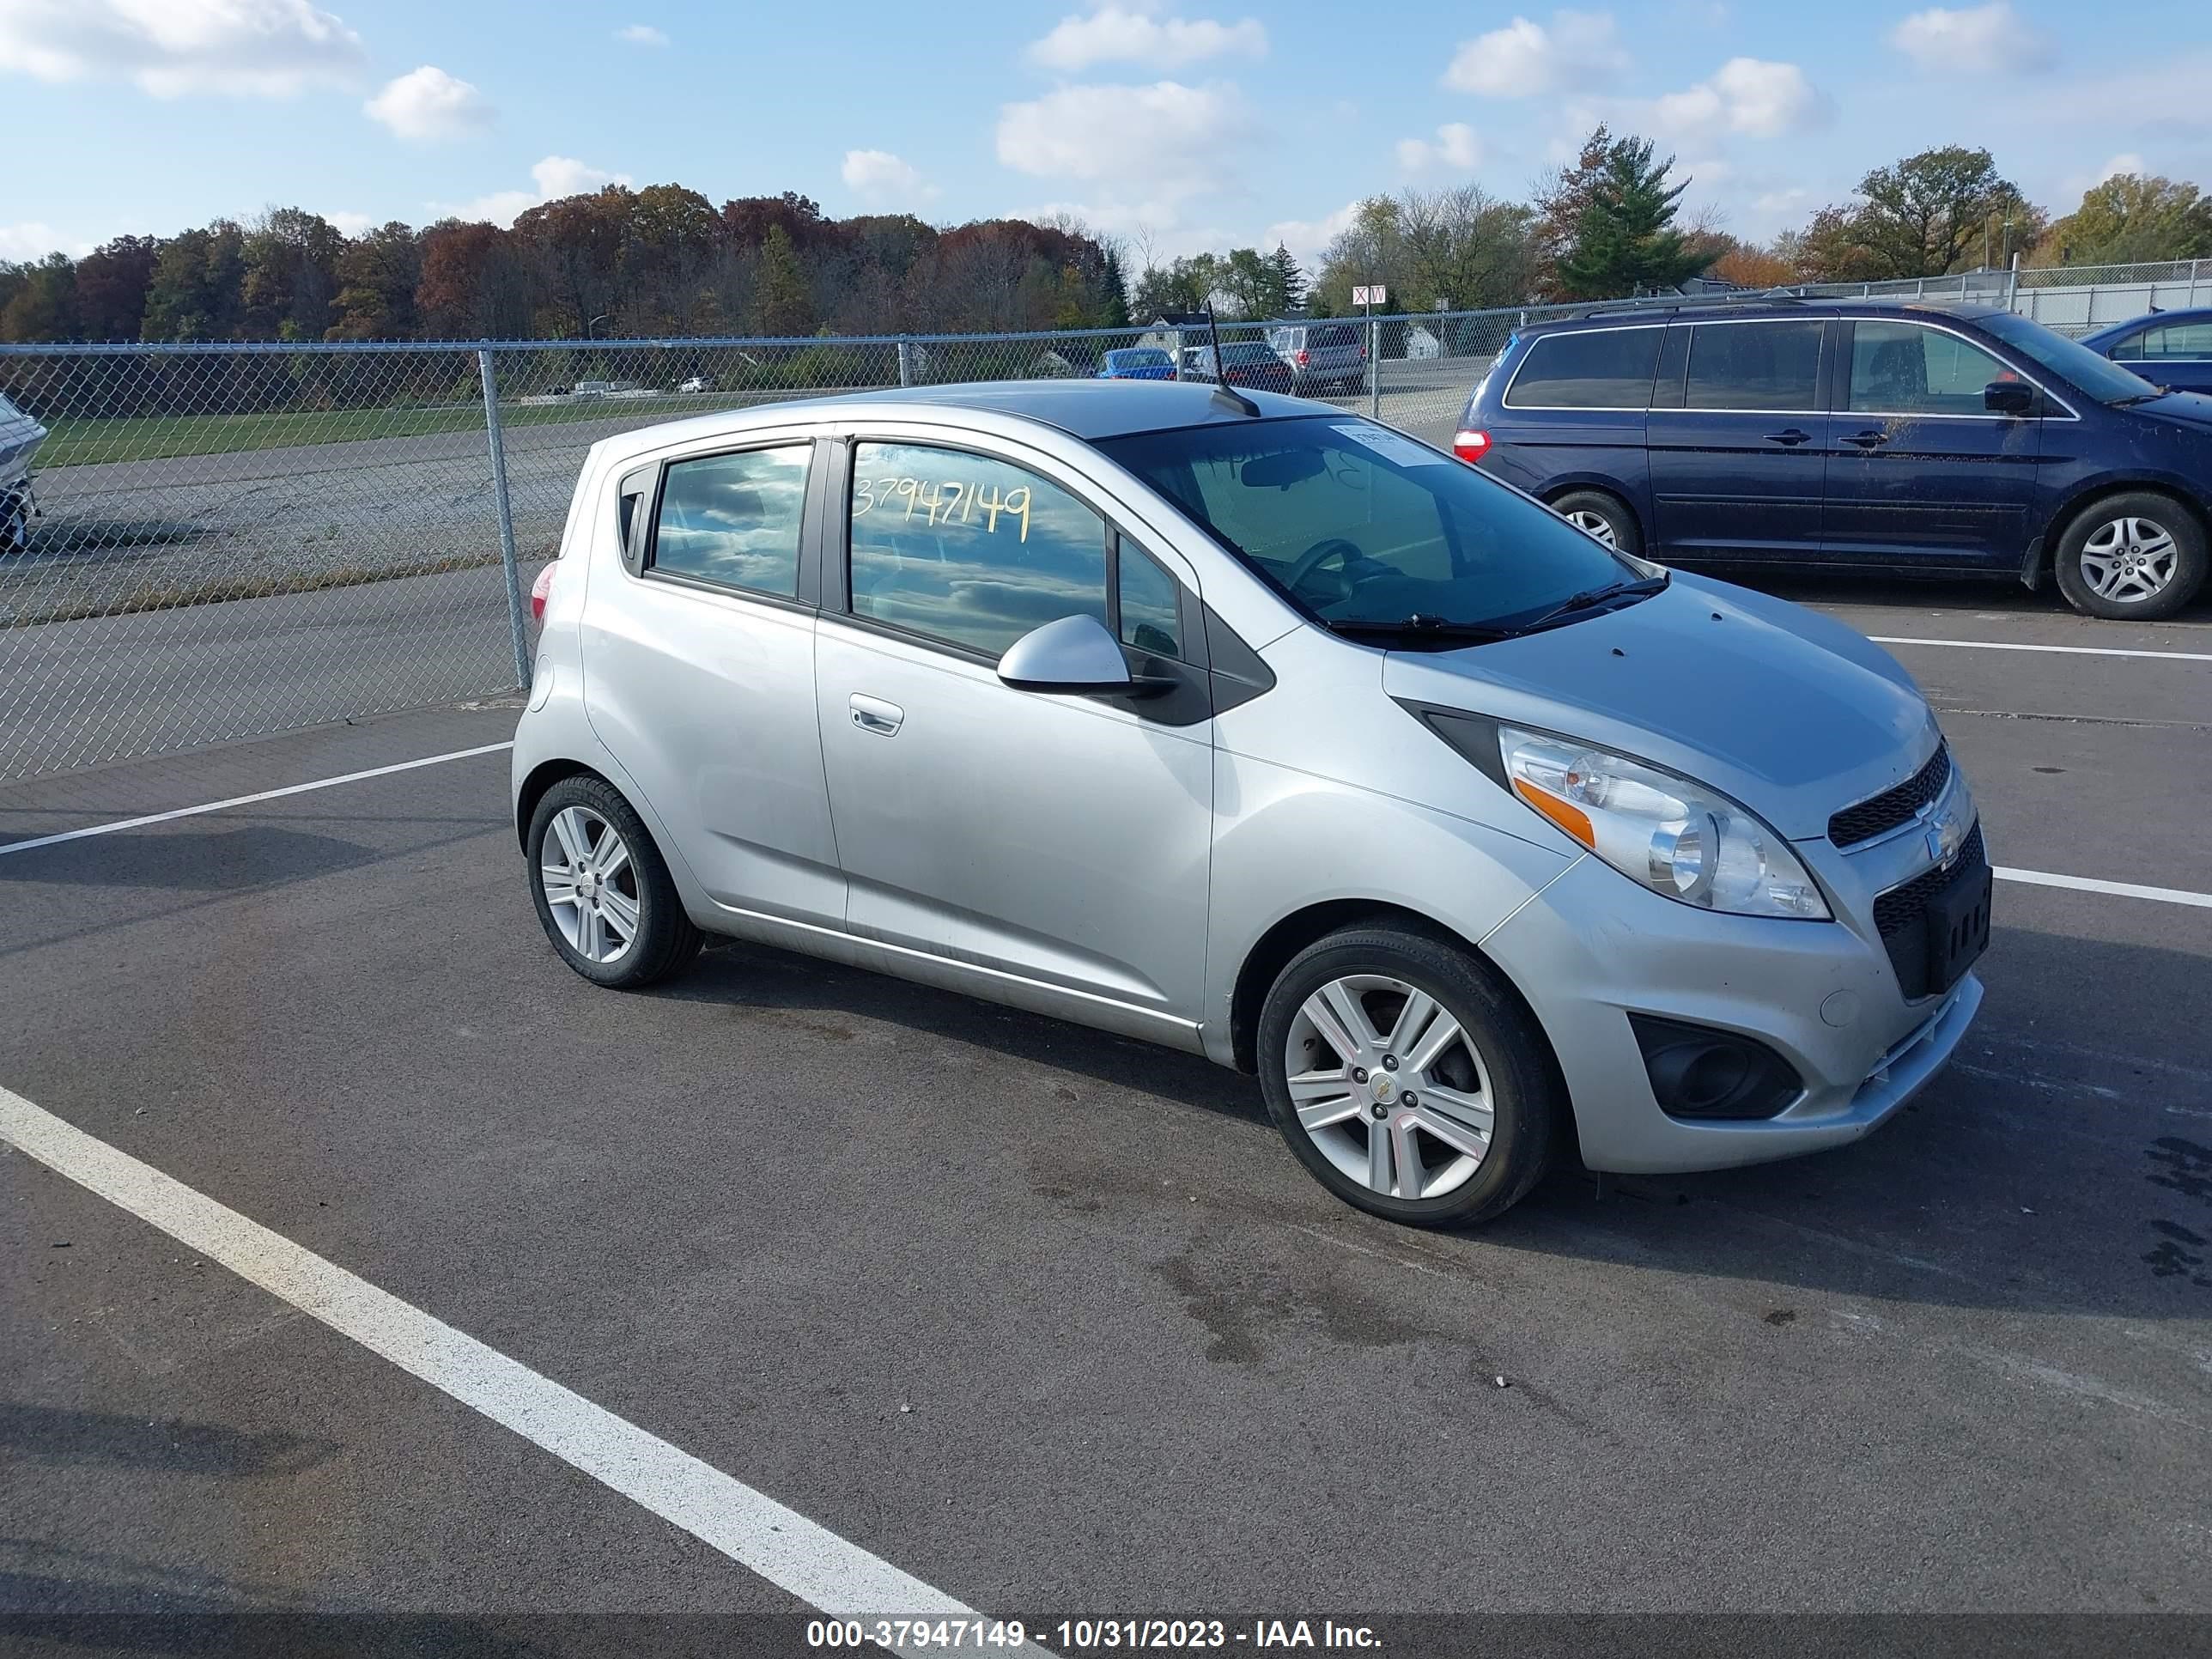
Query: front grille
x,y
1900,907
1881,813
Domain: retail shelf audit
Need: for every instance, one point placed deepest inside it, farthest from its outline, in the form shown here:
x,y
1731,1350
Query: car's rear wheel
x,y
2136,556
1605,517
14,522
1406,1078
602,891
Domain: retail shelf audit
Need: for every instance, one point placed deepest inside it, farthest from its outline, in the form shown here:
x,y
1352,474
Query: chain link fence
x,y
205,542
216,542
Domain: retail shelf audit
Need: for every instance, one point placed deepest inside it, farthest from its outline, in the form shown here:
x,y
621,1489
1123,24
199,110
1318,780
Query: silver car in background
x,y
20,437
1249,726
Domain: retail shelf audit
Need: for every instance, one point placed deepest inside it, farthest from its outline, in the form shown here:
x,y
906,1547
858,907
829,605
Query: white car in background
x,y
20,437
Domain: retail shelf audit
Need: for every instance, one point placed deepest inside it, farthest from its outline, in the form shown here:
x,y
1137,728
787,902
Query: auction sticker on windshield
x,y
1390,446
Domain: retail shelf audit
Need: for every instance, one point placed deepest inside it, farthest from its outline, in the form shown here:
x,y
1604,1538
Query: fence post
x,y
2012,284
491,378
1374,368
906,360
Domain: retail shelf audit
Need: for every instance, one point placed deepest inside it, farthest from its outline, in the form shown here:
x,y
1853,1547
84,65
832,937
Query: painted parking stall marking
x,y
249,800
2057,650
793,1554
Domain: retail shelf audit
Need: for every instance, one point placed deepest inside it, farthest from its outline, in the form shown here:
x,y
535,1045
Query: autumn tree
x,y
111,288
198,289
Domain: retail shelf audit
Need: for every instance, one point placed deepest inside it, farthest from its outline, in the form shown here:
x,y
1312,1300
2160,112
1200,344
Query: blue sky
x,y
1184,123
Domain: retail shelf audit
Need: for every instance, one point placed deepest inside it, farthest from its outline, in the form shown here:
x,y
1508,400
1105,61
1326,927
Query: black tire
x,y
666,939
1627,535
2096,520
1524,1093
15,523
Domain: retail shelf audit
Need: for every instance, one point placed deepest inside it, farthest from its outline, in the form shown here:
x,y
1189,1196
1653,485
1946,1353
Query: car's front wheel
x,y
2137,555
1406,1076
602,891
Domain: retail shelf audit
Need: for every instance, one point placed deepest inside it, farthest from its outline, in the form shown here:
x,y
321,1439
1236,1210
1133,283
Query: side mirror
x,y
1073,656
2009,398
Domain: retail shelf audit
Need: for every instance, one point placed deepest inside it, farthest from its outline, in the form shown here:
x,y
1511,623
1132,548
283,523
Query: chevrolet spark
x,y
1247,726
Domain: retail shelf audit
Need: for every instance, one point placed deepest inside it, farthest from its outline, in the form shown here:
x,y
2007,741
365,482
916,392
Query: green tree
x,y
377,275
1289,282
1623,240
111,288
1465,250
1248,282
1926,215
197,289
781,302
2131,218
1370,249
44,303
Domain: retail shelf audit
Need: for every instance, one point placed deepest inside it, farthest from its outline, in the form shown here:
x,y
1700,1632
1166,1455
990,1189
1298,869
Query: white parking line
x,y
2060,650
248,800
780,1544
2116,889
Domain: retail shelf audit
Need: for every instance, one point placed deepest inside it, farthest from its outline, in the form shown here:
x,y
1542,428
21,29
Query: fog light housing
x,y
1702,1074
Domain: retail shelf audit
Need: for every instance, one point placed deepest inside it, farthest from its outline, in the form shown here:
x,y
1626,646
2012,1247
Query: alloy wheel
x,y
589,883
2129,560
1593,524
1388,1087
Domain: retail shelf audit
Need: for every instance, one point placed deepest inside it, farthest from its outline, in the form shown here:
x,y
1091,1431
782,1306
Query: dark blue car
x,y
2167,348
1929,438
1137,363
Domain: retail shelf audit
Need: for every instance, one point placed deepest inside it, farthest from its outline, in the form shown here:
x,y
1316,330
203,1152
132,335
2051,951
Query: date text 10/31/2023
x,y
1088,1635
952,503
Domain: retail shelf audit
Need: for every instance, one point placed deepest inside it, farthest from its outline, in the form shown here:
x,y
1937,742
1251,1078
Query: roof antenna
x,y
1223,392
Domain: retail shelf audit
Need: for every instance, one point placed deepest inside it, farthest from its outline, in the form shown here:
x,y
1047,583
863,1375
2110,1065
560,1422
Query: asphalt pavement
x,y
1049,1319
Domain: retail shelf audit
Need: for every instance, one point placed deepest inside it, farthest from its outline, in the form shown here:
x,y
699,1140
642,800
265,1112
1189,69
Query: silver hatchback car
x,y
1250,727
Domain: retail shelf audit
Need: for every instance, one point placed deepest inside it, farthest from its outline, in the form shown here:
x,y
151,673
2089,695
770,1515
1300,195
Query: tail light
x,y
1471,444
541,590
1301,360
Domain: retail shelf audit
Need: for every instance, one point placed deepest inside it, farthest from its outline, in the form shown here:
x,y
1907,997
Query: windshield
x,y
1357,524
1246,354
2097,377
1138,357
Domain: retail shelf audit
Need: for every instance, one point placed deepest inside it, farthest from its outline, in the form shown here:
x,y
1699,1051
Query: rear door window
x,y
733,521
1754,366
2186,340
1602,369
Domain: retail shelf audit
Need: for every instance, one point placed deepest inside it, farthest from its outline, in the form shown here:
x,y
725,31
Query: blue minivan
x,y
1937,439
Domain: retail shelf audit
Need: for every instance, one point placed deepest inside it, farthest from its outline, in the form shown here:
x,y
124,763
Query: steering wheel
x,y
1329,547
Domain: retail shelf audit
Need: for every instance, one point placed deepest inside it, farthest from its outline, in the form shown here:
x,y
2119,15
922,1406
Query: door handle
x,y
874,715
1790,436
1869,440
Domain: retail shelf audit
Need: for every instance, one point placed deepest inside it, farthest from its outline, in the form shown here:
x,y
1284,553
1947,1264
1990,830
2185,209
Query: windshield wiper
x,y
1417,626
2140,397
1590,598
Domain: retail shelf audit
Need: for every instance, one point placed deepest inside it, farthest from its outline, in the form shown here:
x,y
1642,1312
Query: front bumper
x,y
1594,946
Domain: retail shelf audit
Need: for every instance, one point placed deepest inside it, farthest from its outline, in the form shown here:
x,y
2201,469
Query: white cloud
x,y
1744,95
169,48
1527,60
351,224
427,104
1989,40
30,239
877,176
1456,146
1165,142
1309,238
555,176
643,34
2125,161
1123,34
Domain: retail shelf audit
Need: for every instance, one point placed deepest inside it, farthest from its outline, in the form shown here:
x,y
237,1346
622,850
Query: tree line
x,y
616,261
663,261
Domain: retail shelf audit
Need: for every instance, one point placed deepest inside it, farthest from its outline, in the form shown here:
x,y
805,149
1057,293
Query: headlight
x,y
1676,837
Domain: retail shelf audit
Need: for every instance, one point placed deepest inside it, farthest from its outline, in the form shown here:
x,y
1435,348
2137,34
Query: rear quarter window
x,y
1603,369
